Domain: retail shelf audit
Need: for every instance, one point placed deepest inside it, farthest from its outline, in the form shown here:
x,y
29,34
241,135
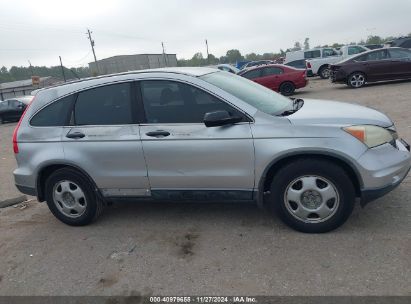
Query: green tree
x,y
252,57
297,46
306,43
234,55
374,40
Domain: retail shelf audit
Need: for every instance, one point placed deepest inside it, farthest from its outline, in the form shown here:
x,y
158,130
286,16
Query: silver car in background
x,y
199,134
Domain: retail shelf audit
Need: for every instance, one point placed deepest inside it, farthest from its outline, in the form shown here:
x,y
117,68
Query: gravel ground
x,y
213,249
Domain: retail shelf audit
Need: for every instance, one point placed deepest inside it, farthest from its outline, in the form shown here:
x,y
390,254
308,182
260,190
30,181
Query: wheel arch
x,y
48,169
278,163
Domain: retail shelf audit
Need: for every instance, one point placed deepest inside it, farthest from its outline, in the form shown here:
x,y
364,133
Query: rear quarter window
x,y
56,114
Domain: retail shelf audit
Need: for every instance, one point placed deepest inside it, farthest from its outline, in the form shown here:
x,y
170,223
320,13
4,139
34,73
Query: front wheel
x,y
71,199
312,196
356,80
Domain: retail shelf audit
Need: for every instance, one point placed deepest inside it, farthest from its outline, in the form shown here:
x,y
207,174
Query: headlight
x,y
372,136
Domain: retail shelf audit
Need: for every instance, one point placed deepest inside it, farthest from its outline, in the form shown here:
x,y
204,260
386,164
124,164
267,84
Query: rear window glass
x,y
107,105
55,114
312,54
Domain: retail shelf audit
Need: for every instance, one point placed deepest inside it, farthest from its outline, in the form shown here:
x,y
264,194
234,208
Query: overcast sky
x,y
41,30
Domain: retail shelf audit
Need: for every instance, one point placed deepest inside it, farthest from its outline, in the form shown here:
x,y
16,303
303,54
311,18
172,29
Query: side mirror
x,y
220,118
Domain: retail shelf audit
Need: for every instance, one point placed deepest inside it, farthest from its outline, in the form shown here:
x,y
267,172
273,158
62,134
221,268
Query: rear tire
x,y
71,198
324,72
312,196
287,88
356,80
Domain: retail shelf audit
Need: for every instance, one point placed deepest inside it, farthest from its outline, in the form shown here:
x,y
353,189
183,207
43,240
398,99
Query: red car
x,y
277,77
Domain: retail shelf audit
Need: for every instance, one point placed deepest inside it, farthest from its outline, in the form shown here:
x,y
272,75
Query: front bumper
x,y
383,169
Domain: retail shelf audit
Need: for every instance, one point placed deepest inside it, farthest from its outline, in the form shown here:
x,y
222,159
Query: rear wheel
x,y
70,197
356,80
324,72
287,88
312,196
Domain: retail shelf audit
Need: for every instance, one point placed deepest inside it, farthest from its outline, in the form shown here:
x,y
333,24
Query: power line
x,y
92,47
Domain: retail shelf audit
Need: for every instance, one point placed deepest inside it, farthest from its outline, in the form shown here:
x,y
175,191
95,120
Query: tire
x,y
312,196
71,198
287,88
356,80
324,72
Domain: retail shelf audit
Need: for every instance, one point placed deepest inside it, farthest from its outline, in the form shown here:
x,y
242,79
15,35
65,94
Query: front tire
x,y
287,88
356,80
324,72
312,196
71,199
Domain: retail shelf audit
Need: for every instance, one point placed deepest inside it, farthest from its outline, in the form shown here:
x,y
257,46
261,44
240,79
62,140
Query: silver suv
x,y
201,134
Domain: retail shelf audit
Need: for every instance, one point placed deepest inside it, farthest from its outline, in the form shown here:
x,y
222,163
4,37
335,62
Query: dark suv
x,y
404,42
12,109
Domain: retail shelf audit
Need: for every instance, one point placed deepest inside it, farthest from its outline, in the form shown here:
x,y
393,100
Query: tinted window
x,y
268,71
312,54
400,54
352,50
175,102
406,44
297,64
377,55
3,105
252,74
108,105
56,114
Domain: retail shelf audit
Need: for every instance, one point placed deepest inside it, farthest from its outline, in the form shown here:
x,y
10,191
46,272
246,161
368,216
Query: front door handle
x,y
75,135
158,133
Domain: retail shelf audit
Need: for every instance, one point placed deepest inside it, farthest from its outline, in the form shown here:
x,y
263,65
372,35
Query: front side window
x,y
107,105
175,102
252,74
256,95
377,55
329,52
400,54
56,114
312,54
269,71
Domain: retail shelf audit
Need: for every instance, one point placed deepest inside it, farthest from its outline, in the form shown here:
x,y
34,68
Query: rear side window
x,y
400,54
107,105
312,54
56,114
377,55
268,71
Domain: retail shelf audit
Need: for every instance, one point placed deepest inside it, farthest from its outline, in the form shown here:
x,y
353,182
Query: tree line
x,y
231,56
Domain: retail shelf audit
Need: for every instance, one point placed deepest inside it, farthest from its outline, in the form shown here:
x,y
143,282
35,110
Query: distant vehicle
x,y
309,54
298,64
321,66
256,63
404,42
12,109
277,77
228,68
375,65
374,46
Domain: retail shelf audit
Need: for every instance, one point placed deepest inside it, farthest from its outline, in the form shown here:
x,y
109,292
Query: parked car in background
x,y
228,68
12,109
256,63
298,64
375,65
321,66
374,46
309,54
404,42
277,77
203,135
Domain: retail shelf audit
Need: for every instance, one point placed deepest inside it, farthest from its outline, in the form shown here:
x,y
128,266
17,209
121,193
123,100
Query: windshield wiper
x,y
297,104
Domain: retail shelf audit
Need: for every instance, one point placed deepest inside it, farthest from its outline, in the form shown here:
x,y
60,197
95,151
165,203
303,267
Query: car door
x,y
401,63
272,77
11,111
186,159
378,66
103,139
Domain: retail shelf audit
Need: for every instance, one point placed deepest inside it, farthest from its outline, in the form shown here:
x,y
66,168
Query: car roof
x,y
252,68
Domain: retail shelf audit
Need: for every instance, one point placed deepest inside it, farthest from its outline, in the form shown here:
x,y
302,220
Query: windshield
x,y
250,92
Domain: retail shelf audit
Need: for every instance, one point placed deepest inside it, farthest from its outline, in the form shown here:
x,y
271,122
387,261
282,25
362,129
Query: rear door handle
x,y
75,135
158,133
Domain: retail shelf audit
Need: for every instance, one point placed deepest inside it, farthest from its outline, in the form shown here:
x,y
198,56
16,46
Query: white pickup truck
x,y
321,66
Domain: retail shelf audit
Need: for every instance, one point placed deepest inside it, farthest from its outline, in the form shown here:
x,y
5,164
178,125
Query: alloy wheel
x,y
357,80
311,199
69,199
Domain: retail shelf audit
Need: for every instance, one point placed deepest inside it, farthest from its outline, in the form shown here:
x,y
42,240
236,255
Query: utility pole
x,y
92,47
31,68
62,69
208,56
164,54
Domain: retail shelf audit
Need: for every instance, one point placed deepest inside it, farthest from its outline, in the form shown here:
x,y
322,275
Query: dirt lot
x,y
225,249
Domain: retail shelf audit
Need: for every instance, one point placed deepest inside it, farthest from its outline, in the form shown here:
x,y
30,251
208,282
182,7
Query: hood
x,y
337,113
